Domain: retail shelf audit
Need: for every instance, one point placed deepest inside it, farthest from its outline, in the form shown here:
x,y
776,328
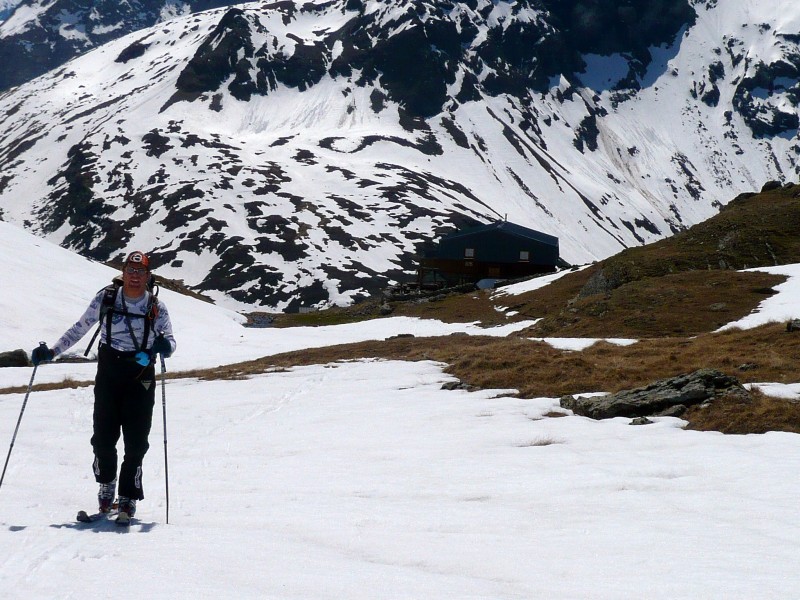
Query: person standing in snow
x,y
135,326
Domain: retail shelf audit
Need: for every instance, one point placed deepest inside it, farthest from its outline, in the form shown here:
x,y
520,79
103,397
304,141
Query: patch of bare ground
x,y
759,414
477,306
537,369
450,308
65,384
681,304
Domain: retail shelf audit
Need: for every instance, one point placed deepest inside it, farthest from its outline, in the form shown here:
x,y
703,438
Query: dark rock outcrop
x,y
766,99
14,358
416,50
663,397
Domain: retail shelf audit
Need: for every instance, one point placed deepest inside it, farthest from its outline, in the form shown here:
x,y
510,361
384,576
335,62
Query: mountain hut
x,y
499,250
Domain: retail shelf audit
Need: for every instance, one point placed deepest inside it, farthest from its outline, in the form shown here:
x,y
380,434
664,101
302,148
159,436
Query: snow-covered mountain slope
x,y
278,154
39,35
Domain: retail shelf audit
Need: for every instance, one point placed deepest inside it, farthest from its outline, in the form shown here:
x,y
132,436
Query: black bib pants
x,y
124,396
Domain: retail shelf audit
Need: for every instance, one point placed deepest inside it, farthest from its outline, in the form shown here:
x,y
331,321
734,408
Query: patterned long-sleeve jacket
x,y
127,332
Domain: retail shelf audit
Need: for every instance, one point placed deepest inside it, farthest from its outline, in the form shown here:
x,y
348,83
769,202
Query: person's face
x,y
134,279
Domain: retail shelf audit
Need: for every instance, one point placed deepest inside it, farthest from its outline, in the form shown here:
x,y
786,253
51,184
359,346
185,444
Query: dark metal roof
x,y
509,228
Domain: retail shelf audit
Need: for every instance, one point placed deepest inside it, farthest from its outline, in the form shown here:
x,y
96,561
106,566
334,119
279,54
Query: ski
x,y
84,517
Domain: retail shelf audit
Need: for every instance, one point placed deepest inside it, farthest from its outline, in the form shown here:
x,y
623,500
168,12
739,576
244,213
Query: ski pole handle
x,y
42,354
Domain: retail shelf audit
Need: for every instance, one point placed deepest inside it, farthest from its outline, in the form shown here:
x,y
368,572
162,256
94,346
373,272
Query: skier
x,y
137,327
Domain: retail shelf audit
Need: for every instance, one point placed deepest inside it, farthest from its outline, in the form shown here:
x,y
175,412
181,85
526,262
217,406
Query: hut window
x,y
469,252
524,255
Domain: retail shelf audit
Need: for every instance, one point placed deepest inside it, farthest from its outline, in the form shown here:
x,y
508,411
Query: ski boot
x,y
105,496
126,509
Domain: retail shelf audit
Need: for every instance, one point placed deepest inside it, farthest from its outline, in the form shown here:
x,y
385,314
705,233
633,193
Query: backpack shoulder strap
x,y
109,299
106,306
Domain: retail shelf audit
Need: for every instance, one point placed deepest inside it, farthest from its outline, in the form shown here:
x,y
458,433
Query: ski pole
x,y
164,411
24,403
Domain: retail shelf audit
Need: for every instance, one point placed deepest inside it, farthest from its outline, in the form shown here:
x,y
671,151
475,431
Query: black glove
x,y
42,354
161,346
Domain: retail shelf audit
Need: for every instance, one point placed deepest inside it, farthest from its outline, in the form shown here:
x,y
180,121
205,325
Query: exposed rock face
x,y
767,99
659,398
606,27
601,282
417,50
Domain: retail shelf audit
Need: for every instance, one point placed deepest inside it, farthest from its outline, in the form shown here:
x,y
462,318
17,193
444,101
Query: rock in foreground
x,y
669,396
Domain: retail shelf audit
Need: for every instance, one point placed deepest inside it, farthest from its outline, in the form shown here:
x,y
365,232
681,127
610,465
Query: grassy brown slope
x,y
685,284
687,303
751,231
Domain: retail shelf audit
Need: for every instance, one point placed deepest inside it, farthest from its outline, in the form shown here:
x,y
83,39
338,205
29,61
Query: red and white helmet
x,y
138,258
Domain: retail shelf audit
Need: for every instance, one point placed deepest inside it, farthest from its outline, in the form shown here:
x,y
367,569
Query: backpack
x,y
108,305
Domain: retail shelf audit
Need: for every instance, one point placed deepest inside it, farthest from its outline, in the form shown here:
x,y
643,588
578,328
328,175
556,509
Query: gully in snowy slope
x,y
134,327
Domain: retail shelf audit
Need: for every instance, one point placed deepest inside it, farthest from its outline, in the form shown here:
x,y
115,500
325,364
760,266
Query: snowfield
x,y
365,480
